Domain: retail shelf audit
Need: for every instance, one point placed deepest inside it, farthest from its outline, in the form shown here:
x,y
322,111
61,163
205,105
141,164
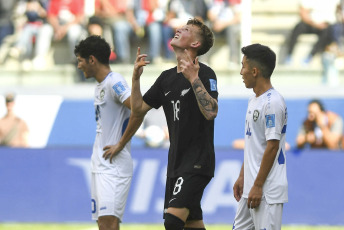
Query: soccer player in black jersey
x,y
188,94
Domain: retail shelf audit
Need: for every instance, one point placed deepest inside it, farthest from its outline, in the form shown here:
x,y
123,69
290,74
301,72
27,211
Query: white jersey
x,y
266,119
112,117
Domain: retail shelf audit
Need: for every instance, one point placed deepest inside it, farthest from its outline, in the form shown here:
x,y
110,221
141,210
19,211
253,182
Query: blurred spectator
x,y
178,13
330,72
35,12
225,17
120,16
321,129
65,19
13,130
334,50
127,18
107,14
153,12
338,28
316,18
6,21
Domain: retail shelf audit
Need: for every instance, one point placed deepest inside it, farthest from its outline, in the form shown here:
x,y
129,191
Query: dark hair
x,y
263,56
10,97
207,36
96,46
319,103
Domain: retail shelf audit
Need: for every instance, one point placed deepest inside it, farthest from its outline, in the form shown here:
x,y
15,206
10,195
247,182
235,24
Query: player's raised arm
x,y
138,106
138,109
206,103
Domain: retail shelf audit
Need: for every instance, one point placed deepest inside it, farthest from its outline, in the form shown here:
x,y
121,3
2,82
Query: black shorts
x,y
186,192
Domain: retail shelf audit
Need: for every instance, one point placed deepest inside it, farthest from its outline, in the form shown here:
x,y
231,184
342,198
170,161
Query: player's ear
x,y
255,71
92,59
195,44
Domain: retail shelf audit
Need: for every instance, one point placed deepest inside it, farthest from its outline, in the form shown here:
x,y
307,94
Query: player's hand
x,y
320,119
310,137
111,151
188,67
238,188
254,197
139,63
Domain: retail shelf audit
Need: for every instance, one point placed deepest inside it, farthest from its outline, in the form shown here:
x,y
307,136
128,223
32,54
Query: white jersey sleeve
x,y
121,91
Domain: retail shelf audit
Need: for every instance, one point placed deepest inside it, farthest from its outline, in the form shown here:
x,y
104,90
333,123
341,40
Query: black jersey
x,y
191,135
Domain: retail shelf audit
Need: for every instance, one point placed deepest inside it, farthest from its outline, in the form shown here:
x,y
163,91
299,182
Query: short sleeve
x,y
209,80
274,119
120,89
153,96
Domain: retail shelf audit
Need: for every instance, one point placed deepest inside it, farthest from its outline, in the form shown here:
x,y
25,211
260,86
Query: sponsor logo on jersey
x,y
185,91
255,115
167,93
103,208
197,166
270,120
119,88
213,84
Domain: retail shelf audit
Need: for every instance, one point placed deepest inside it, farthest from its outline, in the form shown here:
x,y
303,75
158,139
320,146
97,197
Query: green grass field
x,y
17,226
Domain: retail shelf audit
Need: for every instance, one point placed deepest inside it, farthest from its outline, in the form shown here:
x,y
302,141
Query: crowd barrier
x,y
52,185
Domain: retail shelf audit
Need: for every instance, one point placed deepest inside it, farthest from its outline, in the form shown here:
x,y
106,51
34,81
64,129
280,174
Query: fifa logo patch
x,y
270,120
119,88
255,115
213,84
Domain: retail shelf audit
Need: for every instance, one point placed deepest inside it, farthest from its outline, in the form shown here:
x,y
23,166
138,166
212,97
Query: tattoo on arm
x,y
206,102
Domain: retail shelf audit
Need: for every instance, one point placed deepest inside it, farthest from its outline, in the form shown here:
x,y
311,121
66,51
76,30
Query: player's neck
x,y
180,54
102,74
262,88
10,114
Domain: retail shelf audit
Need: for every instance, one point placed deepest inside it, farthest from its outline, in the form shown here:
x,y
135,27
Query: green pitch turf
x,y
52,226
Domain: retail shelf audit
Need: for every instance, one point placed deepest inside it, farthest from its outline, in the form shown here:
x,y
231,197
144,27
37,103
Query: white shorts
x,y
109,195
266,216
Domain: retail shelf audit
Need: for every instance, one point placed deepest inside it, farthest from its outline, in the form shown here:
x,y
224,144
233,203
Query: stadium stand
x,y
272,21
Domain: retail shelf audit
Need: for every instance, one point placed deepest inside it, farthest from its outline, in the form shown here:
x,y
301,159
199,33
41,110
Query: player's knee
x,y
173,223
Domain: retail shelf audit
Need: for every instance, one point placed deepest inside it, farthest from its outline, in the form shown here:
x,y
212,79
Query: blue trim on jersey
x,y
97,112
213,84
94,206
270,120
284,130
125,124
119,88
281,159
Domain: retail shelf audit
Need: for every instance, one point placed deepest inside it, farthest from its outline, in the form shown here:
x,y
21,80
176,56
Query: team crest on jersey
x,y
255,115
185,91
102,94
